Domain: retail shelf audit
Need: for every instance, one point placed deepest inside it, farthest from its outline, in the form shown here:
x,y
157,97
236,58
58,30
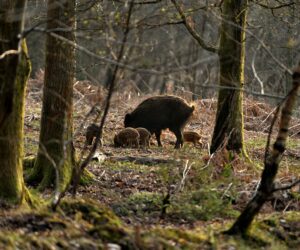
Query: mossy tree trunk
x,y
229,117
14,73
56,152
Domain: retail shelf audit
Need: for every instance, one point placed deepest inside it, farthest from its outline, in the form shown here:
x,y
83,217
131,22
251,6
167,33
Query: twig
x,y
286,187
267,117
267,148
192,31
59,193
9,52
225,192
256,187
289,203
208,162
185,172
254,70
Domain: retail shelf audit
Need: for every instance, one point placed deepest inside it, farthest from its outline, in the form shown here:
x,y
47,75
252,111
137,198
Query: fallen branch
x,y
286,187
141,160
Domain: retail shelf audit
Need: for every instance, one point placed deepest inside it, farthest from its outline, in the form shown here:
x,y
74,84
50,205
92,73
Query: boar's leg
x,y
179,137
89,138
134,143
147,143
157,135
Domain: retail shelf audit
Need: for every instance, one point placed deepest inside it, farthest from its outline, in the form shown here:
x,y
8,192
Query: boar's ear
x,y
127,120
192,108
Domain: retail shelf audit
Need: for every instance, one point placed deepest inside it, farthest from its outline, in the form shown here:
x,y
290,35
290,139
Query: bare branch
x,y
264,46
254,70
286,187
120,64
9,52
192,31
275,7
152,26
141,2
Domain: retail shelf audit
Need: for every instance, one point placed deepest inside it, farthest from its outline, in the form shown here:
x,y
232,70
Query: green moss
x,y
91,211
227,170
172,238
28,162
86,224
12,150
140,204
292,143
286,228
125,166
87,178
6,240
32,198
204,204
104,223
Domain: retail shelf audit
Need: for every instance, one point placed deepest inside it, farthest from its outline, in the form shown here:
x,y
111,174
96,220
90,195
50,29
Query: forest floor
x,y
122,207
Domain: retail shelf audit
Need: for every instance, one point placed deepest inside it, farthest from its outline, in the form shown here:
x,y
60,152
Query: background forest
x,y
67,64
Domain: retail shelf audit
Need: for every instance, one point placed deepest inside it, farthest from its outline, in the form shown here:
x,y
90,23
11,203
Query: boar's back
x,y
160,112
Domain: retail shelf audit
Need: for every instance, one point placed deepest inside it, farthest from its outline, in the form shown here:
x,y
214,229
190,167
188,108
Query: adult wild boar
x,y
161,112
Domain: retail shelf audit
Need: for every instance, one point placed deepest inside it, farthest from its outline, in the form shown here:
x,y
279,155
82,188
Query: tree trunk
x,y
266,187
14,73
229,117
56,151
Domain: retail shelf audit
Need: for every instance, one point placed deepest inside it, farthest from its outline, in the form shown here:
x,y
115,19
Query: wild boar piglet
x,y
193,137
127,137
91,133
144,137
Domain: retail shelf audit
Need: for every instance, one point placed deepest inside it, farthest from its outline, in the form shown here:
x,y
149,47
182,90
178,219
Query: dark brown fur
x,y
91,132
127,137
144,137
191,136
161,112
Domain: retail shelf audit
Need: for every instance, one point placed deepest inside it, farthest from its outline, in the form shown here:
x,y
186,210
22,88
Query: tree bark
x,y
14,73
229,117
56,152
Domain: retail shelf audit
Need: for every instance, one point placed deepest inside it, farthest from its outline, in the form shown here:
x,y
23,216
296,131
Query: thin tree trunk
x,y
229,117
14,73
266,187
56,151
